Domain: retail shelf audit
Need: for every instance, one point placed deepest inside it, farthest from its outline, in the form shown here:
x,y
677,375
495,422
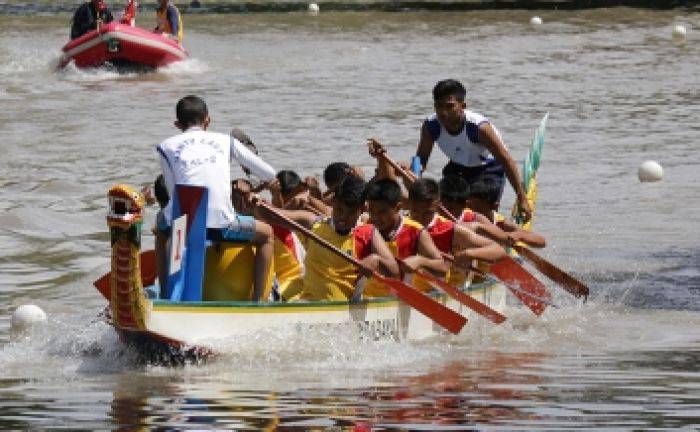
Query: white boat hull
x,y
205,325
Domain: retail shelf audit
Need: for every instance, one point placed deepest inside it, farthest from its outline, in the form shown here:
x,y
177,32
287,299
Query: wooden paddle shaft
x,y
309,233
410,177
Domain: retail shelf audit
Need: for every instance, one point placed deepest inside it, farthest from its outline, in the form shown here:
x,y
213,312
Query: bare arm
x,y
385,170
490,139
386,263
469,245
517,234
319,205
490,231
425,146
428,257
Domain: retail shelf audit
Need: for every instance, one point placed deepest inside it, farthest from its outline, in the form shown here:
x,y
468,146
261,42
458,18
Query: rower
x,y
328,276
197,157
450,238
87,17
406,238
470,141
169,20
480,196
288,258
334,174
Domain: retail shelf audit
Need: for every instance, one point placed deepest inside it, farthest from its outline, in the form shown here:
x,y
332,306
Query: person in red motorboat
x,y
87,16
169,20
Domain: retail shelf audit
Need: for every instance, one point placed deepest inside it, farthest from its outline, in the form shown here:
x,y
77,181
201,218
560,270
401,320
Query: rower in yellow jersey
x,y
449,237
406,238
328,276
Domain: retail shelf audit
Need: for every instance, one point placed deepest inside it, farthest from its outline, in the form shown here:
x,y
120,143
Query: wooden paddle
x,y
441,314
523,285
481,308
506,270
554,273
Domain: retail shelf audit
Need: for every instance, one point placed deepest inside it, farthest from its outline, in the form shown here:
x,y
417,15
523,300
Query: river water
x,y
309,91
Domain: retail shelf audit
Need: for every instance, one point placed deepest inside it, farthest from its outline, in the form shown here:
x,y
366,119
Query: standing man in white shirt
x,y
197,157
470,141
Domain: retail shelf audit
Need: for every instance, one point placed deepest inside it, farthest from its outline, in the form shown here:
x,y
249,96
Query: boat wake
x,y
73,348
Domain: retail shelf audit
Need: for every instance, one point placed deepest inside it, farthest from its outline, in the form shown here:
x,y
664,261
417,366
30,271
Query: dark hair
x,y
335,172
384,190
351,191
160,191
424,190
289,180
486,188
191,111
454,189
449,87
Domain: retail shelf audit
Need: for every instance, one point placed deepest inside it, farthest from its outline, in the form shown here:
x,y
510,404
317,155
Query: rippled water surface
x,y
309,91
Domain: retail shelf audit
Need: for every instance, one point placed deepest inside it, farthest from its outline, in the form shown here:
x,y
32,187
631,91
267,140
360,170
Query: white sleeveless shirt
x,y
462,148
200,158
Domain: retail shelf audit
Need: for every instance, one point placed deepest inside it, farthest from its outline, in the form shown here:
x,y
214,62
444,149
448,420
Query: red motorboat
x,y
122,44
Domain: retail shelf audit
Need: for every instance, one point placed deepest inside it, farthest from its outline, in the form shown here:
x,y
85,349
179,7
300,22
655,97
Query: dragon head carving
x,y
125,206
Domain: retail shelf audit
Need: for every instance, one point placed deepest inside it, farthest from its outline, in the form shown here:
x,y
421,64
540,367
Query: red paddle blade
x,y
465,299
512,274
148,274
441,314
557,275
102,285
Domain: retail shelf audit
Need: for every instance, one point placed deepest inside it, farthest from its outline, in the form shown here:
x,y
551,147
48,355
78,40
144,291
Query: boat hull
x,y
122,44
202,326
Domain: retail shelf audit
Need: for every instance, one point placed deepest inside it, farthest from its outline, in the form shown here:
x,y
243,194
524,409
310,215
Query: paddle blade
x,y
557,275
441,314
513,274
465,299
148,274
102,285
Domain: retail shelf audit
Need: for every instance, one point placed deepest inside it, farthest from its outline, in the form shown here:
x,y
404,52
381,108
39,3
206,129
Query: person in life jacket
x,y
470,141
87,16
328,276
450,238
407,239
169,20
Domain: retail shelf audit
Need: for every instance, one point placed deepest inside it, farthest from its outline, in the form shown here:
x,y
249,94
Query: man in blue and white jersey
x,y
470,141
198,157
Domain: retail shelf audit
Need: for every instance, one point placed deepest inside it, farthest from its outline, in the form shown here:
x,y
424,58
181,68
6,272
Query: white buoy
x,y
313,9
535,21
650,171
679,32
26,317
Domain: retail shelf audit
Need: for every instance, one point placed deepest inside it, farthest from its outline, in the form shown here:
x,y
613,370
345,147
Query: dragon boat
x,y
123,45
206,300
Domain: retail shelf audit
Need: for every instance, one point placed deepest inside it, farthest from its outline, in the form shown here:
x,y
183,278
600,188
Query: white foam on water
x,y
106,73
189,66
74,344
69,345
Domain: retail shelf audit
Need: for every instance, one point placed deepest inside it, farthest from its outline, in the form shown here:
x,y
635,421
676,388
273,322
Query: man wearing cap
x,y
471,142
87,16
